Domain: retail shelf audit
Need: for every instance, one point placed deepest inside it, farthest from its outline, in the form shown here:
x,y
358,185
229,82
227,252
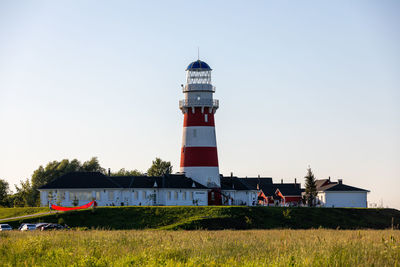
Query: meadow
x,y
318,247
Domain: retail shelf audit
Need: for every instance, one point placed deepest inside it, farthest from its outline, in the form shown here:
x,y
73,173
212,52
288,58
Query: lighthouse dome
x,y
198,65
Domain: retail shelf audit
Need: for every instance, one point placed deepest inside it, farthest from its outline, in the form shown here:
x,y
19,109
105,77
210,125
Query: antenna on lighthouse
x,y
198,53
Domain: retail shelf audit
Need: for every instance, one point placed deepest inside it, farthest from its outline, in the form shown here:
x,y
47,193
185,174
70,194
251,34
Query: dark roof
x,y
234,183
321,182
288,189
327,185
99,180
82,180
269,188
198,65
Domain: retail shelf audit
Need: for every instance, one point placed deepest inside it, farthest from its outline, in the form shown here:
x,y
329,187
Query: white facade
x,y
343,199
124,197
239,197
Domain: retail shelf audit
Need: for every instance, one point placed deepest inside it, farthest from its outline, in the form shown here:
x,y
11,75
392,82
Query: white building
x,y
79,188
339,195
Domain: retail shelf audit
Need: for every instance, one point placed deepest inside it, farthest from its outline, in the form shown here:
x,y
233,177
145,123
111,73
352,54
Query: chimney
x,y
329,179
109,172
340,181
258,176
295,181
281,181
231,174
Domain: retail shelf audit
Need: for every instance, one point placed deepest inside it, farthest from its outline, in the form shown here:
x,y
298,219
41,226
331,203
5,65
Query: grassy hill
x,y
15,212
215,218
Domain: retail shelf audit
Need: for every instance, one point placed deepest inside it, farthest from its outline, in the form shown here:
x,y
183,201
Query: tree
x,y
311,188
92,165
159,168
4,193
25,195
123,172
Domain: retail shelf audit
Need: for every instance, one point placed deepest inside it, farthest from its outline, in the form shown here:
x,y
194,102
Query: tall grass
x,y
202,248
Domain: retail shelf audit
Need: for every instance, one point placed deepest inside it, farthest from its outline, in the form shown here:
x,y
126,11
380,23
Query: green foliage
x,y
286,213
159,168
4,193
200,248
92,165
123,172
311,188
25,195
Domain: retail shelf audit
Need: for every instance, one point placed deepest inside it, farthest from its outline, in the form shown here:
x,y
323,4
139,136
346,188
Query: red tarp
x,y
54,207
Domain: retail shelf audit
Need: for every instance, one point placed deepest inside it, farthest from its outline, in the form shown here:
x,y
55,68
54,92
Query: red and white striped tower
x,y
199,158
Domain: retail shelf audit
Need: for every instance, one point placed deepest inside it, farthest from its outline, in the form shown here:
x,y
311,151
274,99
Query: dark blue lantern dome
x,y
198,65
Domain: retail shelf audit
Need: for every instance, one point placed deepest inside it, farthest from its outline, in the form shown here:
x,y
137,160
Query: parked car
x,y
28,227
40,225
5,227
52,226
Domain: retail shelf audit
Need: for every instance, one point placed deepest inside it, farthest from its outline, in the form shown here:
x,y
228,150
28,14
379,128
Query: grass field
x,y
219,218
14,212
202,248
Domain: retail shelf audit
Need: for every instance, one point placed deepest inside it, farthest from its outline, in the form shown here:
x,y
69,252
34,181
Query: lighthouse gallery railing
x,y
188,103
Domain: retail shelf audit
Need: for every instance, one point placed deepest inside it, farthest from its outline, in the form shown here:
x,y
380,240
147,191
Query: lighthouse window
x,y
205,117
198,98
194,133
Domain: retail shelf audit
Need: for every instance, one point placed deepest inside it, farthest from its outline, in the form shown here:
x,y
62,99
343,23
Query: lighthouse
x,y
199,157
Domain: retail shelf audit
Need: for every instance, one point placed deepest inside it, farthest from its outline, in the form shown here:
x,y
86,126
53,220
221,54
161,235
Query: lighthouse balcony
x,y
198,87
190,103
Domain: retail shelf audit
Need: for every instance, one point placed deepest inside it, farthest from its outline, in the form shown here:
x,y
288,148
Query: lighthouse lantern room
x,y
199,158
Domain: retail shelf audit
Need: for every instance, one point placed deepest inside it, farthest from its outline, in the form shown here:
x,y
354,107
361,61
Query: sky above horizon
x,y
300,83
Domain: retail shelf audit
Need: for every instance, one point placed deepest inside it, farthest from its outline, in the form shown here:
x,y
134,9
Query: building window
x,y
98,195
169,195
184,195
212,196
144,195
136,195
111,195
194,133
191,195
176,195
206,117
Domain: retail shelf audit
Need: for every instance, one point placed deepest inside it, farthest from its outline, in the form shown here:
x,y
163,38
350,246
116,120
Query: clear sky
x,y
299,82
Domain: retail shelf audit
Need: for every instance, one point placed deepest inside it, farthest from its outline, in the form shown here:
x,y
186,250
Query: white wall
x,y
129,197
350,199
241,197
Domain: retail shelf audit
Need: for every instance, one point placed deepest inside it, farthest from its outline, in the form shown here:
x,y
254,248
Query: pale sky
x,y
299,82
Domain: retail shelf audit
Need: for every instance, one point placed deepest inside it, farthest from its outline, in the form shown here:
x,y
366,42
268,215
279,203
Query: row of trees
x,y
27,193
